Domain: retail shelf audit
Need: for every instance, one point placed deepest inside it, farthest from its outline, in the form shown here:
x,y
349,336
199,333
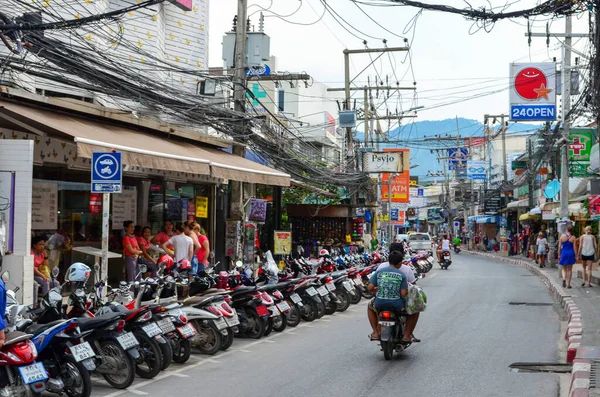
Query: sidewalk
x,y
583,331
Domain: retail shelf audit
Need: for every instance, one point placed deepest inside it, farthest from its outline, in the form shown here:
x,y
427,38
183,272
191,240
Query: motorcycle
x,y
457,248
445,260
392,329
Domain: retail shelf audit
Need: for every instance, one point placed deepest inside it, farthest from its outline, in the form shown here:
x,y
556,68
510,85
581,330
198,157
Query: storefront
x,y
164,178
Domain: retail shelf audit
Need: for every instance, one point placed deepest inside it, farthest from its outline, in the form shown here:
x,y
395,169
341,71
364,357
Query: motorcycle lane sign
x,y
107,172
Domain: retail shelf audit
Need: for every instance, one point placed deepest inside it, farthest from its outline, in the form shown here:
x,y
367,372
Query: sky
x,y
459,70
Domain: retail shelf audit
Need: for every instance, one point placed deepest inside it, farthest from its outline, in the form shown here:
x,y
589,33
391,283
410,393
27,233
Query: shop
x,y
164,178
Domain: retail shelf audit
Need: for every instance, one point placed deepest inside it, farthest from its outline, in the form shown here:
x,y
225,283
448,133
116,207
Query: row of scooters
x,y
140,328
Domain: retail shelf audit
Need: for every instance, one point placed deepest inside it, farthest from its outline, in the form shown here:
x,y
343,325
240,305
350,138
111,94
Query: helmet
x,y
78,272
184,264
376,258
323,252
166,260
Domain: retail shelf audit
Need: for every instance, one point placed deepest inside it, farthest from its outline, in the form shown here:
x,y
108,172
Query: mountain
x,y
420,138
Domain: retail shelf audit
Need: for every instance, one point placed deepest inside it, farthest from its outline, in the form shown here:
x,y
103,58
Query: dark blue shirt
x,y
2,305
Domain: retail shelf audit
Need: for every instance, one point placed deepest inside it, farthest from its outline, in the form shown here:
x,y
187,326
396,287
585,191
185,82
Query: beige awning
x,y
145,149
518,204
550,205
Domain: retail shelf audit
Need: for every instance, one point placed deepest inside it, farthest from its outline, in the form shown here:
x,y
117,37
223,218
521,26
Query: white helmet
x,y
323,253
78,272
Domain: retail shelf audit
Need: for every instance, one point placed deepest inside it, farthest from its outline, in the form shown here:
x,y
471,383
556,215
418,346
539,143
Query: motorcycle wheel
x,y
182,348
208,337
365,293
126,374
294,315
320,309
280,322
344,298
255,328
354,299
78,382
309,312
330,307
268,326
388,349
149,364
166,351
228,340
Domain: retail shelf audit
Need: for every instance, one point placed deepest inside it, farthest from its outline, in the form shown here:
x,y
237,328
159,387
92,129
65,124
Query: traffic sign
x,y
394,214
107,172
456,224
420,192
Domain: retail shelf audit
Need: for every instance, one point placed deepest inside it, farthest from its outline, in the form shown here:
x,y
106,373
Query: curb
x,y
580,374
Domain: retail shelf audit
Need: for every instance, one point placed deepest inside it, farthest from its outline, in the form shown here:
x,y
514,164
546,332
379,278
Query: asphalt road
x,y
470,335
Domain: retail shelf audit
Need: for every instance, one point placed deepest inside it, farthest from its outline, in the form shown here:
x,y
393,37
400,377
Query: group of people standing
x,y
571,248
184,241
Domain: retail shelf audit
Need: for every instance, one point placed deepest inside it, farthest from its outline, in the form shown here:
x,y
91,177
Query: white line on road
x,y
178,375
138,392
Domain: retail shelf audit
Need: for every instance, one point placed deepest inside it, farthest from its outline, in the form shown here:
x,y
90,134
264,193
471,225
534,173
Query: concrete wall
x,y
17,156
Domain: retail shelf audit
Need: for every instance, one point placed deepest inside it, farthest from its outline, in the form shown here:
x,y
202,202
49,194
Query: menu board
x,y
44,206
124,208
233,238
156,208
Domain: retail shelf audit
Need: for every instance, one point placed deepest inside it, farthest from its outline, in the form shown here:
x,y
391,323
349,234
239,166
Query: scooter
x,y
392,329
445,260
457,248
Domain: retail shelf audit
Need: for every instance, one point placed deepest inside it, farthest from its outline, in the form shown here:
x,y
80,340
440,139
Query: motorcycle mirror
x,y
55,272
143,268
211,255
239,264
96,267
6,276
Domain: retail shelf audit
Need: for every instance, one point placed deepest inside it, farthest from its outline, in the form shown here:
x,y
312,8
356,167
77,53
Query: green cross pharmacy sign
x,y
581,141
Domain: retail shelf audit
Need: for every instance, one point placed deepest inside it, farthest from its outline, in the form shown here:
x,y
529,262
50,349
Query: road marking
x,y
179,375
244,350
138,392
269,341
430,277
291,333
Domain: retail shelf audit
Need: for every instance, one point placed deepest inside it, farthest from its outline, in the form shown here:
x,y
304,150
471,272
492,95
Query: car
x,y
106,162
401,237
420,242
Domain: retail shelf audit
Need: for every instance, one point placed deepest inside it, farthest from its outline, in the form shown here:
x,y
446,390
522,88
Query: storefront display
x,y
319,228
357,229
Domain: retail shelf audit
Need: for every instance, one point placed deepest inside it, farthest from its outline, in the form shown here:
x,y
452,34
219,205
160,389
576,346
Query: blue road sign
x,y
107,173
457,158
420,192
394,214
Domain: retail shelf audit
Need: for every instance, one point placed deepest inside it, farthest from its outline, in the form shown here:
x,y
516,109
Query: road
x,y
470,335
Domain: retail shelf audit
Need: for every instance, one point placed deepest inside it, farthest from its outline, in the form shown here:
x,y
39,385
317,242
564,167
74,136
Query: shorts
x,y
587,257
541,251
387,304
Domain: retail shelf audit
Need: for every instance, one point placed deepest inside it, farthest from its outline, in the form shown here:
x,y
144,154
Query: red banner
x,y
400,184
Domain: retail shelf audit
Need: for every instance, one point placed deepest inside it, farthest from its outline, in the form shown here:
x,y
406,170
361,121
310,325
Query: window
x,y
418,237
281,100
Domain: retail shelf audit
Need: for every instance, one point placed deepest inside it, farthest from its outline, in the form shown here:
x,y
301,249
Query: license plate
x,y
128,341
323,291
348,286
187,331
82,351
33,373
283,306
262,310
274,311
220,323
166,325
358,281
387,323
331,287
430,260
311,291
152,329
295,298
234,320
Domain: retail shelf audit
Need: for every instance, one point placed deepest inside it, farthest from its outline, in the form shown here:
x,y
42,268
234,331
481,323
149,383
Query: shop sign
x,y
414,181
594,202
44,206
532,91
503,221
517,165
191,211
548,215
201,207
124,208
477,170
258,210
580,149
492,202
95,203
383,161
283,242
417,202
233,238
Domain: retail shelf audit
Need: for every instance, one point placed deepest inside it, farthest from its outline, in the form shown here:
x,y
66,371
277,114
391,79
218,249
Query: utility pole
x,y
566,108
367,110
239,97
486,119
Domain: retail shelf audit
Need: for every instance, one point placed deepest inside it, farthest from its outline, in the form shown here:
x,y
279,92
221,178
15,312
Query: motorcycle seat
x,y
283,284
36,329
86,324
198,300
15,337
215,291
242,290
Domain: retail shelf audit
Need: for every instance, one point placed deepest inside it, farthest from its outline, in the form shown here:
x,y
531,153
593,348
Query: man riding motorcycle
x,y
444,246
406,274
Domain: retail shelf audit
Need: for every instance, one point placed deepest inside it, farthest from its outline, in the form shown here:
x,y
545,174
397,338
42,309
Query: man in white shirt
x,y
410,277
183,245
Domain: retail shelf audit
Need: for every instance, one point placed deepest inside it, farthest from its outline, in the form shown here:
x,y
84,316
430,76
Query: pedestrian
x,y
204,252
131,252
542,248
41,271
165,235
566,253
586,252
183,245
146,259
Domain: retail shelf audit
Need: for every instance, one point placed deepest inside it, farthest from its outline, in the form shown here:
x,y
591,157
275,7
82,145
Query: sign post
x,y
107,178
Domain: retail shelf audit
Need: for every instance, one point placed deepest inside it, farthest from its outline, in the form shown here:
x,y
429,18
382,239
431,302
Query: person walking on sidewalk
x,y
566,253
586,252
542,249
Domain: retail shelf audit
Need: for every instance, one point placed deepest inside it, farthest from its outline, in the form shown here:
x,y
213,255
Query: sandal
x,y
373,338
583,284
569,286
415,340
564,283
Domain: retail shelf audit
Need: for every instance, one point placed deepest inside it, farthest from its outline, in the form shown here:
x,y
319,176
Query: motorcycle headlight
x,y
80,293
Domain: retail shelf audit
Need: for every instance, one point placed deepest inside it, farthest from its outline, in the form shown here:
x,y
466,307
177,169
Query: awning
x,y
535,211
518,204
526,217
549,206
575,209
145,149
487,219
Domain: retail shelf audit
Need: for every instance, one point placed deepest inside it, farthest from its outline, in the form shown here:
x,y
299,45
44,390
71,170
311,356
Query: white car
x,y
420,242
401,237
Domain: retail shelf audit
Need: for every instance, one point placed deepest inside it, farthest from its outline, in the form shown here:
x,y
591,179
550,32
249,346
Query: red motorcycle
x,y
20,375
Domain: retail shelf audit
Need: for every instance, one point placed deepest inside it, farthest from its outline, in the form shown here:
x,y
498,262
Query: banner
x,y
257,210
532,91
581,141
201,207
477,170
594,201
283,242
401,183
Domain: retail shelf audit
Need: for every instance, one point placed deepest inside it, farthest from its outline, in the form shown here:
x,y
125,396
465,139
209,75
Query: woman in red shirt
x,y
144,243
131,251
163,237
204,250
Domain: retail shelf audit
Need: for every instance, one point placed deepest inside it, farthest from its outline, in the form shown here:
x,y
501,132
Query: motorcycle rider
x,y
443,246
411,320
